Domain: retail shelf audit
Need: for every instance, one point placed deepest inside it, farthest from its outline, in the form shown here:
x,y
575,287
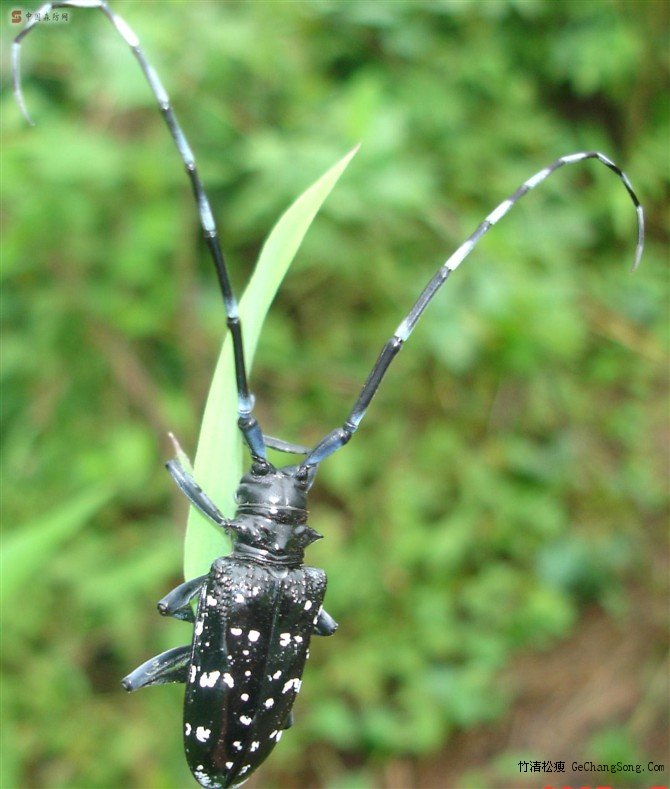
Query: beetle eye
x,y
260,468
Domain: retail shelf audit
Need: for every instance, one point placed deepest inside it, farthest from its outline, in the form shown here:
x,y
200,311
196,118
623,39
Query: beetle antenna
x,y
247,423
340,436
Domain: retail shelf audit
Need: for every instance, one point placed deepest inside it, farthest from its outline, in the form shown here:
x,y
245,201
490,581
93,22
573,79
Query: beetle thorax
x,y
271,519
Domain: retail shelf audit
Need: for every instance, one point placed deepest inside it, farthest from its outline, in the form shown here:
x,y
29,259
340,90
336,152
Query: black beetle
x,y
257,610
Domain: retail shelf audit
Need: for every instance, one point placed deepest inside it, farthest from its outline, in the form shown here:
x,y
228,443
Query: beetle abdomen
x,y
252,632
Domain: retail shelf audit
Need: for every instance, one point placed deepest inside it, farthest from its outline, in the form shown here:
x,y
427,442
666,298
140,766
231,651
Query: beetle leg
x,y
194,493
170,666
325,624
176,602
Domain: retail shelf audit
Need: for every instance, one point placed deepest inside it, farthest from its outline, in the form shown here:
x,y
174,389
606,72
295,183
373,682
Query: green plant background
x,y
508,487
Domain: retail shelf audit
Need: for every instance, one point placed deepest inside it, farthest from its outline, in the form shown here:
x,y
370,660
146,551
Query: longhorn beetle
x,y
258,607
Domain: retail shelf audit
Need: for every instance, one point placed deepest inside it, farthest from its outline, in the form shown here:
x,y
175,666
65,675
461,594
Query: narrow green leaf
x,y
218,460
26,551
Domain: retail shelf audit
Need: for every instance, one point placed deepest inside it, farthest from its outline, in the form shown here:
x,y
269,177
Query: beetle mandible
x,y
258,607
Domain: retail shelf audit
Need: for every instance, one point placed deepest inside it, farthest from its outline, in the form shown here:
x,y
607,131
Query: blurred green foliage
x,y
511,469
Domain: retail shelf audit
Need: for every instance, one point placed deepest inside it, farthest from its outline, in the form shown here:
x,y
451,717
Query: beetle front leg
x,y
194,493
170,666
177,602
325,625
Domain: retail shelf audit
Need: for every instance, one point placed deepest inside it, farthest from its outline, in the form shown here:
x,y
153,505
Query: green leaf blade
x,y
219,457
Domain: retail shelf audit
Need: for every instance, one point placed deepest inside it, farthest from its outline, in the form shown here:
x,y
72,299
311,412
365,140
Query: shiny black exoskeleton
x,y
257,610
258,607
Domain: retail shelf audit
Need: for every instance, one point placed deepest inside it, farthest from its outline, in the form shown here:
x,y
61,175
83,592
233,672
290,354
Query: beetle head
x,y
271,512
266,490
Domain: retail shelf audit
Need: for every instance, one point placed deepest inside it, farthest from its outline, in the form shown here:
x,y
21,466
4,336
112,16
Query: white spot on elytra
x,y
298,639
229,765
239,598
237,745
273,734
211,600
202,778
254,635
284,639
245,720
187,729
244,697
247,673
254,745
228,680
269,703
245,769
276,675
198,627
292,683
192,673
209,680
308,605
202,734
278,735
236,631
245,651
